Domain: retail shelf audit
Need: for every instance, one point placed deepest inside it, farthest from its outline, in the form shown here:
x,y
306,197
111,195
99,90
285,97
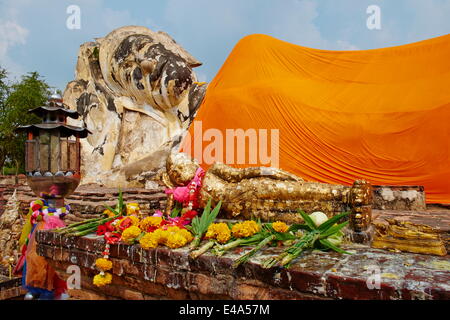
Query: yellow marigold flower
x,y
101,280
162,235
131,233
245,229
109,213
186,234
175,240
279,226
149,222
132,208
173,229
134,221
212,231
224,235
103,264
218,231
149,240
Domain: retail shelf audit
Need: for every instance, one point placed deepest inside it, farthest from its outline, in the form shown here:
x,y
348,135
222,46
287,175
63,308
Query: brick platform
x,y
88,200
170,274
11,288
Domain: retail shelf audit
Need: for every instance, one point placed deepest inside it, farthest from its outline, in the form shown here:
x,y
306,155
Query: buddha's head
x,y
149,66
181,168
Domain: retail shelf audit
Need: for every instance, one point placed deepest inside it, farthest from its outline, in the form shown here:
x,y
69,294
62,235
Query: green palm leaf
x,y
309,222
332,230
331,246
324,226
297,226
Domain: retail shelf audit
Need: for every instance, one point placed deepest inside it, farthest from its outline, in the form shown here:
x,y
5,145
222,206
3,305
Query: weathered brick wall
x,y
8,185
87,200
171,274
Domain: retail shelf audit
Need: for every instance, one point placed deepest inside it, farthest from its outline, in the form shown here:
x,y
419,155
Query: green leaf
x,y
333,230
203,219
297,226
308,220
331,246
284,236
121,202
112,210
324,226
212,216
175,212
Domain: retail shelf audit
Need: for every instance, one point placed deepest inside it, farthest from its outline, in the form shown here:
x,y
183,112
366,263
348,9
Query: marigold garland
x,y
102,279
279,226
103,264
245,229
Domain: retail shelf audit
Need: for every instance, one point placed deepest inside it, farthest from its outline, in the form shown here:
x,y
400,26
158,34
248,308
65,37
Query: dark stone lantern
x,y
52,152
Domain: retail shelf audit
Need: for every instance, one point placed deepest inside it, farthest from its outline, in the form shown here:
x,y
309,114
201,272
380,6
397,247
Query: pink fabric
x,y
52,222
181,194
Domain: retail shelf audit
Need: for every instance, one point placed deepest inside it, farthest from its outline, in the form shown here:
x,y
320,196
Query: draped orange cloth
x,y
382,114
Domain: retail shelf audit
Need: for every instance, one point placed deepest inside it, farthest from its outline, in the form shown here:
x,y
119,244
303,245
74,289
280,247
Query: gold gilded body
x,y
268,193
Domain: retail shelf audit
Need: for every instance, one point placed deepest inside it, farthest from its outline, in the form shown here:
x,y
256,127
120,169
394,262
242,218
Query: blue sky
x,y
34,36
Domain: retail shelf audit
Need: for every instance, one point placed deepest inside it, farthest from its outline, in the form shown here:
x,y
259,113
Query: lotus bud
x,y
318,217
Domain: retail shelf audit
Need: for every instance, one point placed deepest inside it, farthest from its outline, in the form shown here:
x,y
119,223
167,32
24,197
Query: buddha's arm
x,y
230,174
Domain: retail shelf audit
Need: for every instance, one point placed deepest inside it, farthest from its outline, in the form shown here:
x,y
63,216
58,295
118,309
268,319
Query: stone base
x,y
171,274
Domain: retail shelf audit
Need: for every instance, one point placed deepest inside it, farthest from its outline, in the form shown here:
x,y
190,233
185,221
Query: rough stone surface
x,y
11,223
171,274
399,198
137,94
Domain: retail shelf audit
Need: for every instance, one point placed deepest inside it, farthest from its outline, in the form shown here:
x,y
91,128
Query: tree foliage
x,y
15,101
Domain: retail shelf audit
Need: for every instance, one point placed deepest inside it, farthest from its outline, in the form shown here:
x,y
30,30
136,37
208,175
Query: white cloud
x,y
11,34
294,22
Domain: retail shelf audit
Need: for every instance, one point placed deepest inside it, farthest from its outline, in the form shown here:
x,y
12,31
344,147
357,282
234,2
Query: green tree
x,y
28,93
4,93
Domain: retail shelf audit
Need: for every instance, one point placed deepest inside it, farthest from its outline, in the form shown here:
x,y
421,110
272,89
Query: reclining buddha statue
x,y
271,194
137,93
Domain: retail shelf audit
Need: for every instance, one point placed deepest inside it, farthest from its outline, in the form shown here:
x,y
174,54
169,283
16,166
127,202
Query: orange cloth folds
x,y
382,115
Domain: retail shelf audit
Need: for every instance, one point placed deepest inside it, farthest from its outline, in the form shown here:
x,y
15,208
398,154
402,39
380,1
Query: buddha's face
x,y
181,168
